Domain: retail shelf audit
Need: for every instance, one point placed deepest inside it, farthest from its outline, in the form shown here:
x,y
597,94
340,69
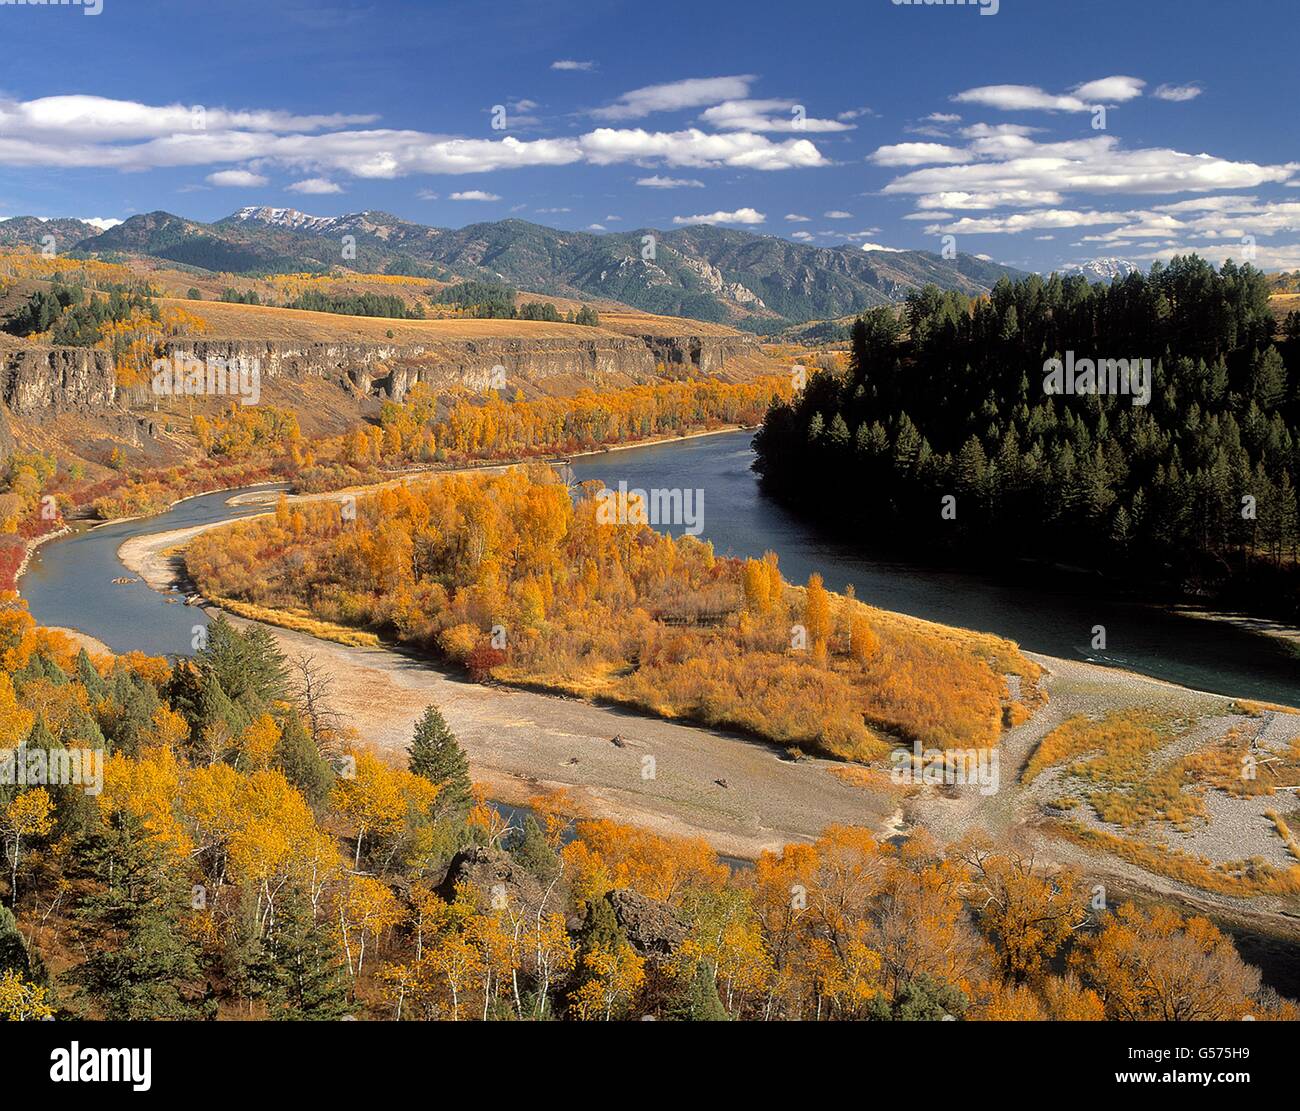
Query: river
x,y
1055,615
69,581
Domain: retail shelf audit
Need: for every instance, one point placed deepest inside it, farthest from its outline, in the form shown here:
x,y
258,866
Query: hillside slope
x,y
756,282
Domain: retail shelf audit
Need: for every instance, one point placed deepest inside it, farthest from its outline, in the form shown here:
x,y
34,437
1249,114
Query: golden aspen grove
x,y
615,611
229,868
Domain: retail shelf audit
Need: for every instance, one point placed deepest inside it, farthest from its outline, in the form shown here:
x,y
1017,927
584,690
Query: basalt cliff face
x,y
36,380
390,370
39,383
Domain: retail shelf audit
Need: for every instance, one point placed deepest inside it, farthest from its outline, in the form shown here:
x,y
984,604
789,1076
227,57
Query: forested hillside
x,y
942,436
240,855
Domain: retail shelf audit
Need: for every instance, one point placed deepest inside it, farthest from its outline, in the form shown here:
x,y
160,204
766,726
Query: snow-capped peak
x,y
1107,269
284,218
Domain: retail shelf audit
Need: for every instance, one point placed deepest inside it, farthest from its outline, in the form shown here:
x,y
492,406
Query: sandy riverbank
x,y
521,743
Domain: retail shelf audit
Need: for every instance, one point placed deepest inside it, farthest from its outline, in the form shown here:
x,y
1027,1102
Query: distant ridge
x,y
759,282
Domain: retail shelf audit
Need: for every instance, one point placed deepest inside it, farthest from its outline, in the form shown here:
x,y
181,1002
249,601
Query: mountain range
x,y
759,282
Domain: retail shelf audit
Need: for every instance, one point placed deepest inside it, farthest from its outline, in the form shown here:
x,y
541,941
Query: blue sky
x,y
872,122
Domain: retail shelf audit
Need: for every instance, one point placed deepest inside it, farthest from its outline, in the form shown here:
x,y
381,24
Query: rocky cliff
x,y
38,380
389,370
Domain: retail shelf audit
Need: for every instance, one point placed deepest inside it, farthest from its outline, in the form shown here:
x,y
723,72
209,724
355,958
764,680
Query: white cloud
x,y
801,235
837,214
92,132
102,119
1010,163
695,92
1025,221
99,222
1020,98
656,181
795,218
943,117
427,195
596,227
740,216
756,115
1006,198
698,149
474,195
992,130
1177,92
918,154
570,65
1111,90
878,247
236,179
551,211
316,186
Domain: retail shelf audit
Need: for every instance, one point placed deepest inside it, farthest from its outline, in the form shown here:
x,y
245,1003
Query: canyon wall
x,y
41,380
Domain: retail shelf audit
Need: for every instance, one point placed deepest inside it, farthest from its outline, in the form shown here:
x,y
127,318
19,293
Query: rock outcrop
x,y
37,380
390,370
497,874
44,380
652,927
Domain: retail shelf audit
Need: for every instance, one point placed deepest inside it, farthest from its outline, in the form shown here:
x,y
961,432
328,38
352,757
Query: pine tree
x,y
301,762
89,678
142,963
436,755
534,853
698,999
297,969
13,952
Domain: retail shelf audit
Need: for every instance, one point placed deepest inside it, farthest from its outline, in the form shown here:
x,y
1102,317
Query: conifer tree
x,y
436,755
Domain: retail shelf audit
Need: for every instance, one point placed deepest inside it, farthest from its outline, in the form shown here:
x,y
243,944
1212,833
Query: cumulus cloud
x,y
673,96
838,214
918,154
570,65
474,195
740,216
1177,92
1111,90
245,179
757,115
316,186
1083,98
657,181
1008,163
91,132
699,149
795,218
878,247
101,119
